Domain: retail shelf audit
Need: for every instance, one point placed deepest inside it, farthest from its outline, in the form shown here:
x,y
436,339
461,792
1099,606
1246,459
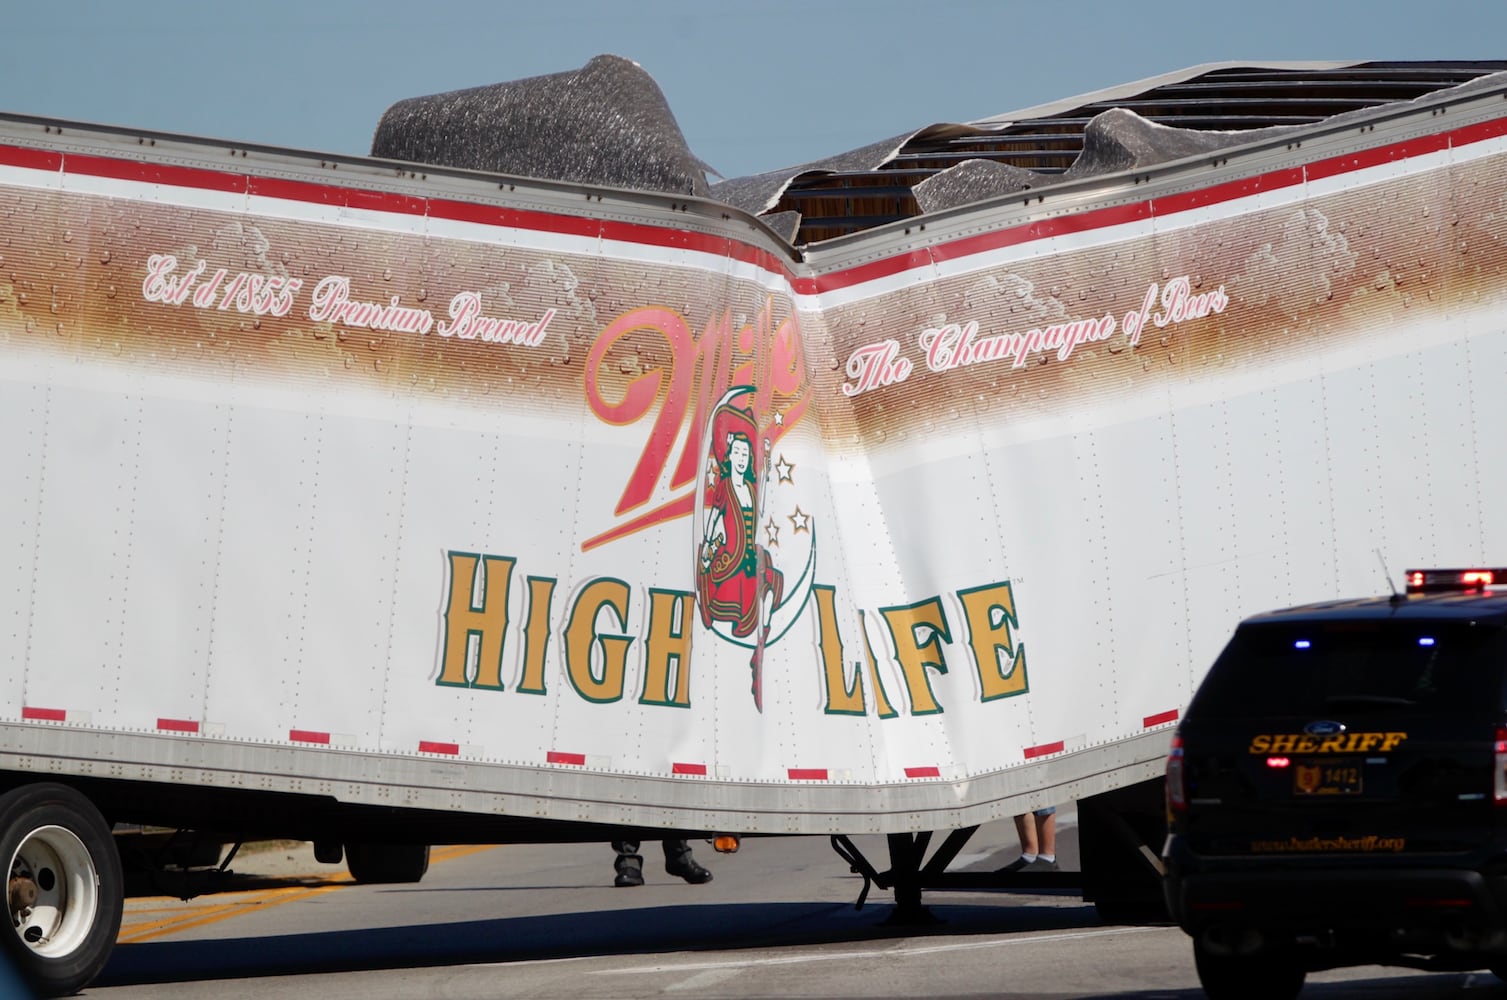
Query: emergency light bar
x,y
1461,581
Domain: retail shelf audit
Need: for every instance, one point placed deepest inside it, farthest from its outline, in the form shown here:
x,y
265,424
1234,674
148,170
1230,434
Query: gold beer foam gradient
x,y
1331,271
72,269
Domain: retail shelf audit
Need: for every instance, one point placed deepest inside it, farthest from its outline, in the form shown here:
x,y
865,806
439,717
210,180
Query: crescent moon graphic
x,y
784,615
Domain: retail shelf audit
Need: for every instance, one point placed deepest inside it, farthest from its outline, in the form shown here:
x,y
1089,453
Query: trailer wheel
x,y
64,886
385,864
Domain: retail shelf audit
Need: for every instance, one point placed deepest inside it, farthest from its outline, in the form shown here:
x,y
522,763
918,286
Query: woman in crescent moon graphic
x,y
735,580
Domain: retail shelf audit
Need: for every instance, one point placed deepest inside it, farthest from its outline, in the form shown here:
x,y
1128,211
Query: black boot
x,y
629,863
680,863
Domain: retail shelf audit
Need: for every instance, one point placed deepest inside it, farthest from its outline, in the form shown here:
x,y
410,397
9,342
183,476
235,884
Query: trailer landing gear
x,y
908,875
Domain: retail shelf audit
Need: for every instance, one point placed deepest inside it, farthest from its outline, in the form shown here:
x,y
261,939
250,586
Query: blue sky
x,y
755,85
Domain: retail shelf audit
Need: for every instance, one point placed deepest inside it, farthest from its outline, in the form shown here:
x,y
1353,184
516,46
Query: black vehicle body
x,y
1336,793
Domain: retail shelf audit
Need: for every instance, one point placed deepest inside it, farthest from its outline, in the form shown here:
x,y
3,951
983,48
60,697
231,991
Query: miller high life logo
x,y
714,410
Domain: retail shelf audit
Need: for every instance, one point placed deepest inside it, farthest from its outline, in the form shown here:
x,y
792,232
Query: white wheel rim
x,y
58,922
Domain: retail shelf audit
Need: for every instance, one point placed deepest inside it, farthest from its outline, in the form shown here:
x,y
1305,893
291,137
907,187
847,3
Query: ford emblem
x,y
1324,727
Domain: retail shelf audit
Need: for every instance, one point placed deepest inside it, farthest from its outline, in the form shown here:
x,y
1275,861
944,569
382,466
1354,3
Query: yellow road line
x,y
215,914
453,851
252,902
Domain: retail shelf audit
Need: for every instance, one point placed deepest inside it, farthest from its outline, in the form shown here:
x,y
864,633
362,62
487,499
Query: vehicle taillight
x,y
1177,793
1499,791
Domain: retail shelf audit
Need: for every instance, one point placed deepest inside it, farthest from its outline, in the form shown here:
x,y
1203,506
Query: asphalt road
x,y
544,922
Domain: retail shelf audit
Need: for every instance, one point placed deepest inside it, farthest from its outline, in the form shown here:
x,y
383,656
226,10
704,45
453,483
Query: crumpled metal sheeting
x,y
1482,82
760,192
974,180
1118,139
1113,141
605,124
784,224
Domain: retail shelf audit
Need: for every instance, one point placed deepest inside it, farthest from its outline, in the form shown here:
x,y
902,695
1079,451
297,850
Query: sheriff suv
x,y
1337,790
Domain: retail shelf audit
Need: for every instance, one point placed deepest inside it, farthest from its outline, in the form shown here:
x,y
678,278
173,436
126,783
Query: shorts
x,y
1046,811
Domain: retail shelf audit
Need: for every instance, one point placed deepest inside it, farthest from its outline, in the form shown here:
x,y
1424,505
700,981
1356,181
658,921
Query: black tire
x,y
387,864
1263,975
65,887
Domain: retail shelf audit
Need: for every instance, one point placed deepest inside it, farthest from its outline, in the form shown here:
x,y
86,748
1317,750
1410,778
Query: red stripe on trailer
x,y
678,768
307,736
178,725
923,772
149,172
44,714
31,159
311,193
1043,750
1159,718
1041,229
807,773
560,757
430,746
389,202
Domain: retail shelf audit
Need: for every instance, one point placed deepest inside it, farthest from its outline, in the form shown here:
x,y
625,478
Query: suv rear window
x,y
1287,668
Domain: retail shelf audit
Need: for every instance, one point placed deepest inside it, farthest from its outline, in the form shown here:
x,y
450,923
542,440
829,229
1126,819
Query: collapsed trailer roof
x,y
608,123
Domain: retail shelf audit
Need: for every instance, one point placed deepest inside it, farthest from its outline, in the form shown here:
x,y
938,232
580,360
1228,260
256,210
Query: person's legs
x,y
1044,824
629,863
1025,829
1046,833
680,863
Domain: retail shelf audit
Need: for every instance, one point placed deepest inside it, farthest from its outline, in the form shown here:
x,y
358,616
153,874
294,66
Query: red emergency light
x,y
1462,581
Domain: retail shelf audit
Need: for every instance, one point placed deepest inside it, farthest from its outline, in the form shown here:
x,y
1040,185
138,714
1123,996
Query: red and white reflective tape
x,y
561,757
807,773
1159,719
931,771
32,714
1044,750
690,769
178,725
308,736
432,746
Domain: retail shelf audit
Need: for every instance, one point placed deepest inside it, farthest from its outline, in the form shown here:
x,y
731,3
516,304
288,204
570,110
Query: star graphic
x,y
779,417
784,467
772,532
800,520
711,472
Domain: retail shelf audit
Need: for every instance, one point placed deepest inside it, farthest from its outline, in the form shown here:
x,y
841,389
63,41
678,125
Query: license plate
x,y
1318,776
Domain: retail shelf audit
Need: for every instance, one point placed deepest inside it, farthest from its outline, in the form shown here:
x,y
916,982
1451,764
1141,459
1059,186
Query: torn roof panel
x,y
1154,121
608,124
